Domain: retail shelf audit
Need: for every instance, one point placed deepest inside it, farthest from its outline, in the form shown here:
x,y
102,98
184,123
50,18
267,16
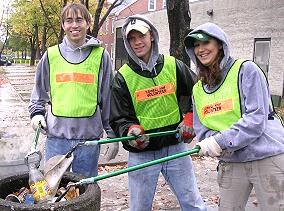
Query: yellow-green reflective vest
x,y
74,87
154,99
220,109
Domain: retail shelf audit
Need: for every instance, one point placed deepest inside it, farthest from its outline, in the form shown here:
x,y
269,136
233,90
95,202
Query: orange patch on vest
x,y
154,92
222,106
76,77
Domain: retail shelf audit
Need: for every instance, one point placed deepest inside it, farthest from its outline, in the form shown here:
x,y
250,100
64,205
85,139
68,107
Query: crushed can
x,y
22,194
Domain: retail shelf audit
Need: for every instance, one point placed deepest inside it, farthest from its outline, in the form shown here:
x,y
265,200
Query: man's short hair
x,y
75,8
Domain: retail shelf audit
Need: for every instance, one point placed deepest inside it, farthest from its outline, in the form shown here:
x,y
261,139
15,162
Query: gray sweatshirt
x,y
73,128
150,66
254,136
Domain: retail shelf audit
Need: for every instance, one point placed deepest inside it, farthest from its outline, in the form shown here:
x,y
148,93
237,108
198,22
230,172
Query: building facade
x,y
255,28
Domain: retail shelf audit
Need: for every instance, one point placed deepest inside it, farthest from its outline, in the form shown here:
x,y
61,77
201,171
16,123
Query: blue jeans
x,y
85,160
178,173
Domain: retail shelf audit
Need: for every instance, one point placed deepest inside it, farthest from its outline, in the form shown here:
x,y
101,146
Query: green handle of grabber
x,y
128,138
136,167
35,141
33,147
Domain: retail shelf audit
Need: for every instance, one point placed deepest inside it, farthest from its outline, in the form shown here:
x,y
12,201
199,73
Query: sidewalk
x,y
16,136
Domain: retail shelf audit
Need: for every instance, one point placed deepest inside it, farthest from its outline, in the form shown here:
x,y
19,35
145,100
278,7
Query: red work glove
x,y
142,140
186,132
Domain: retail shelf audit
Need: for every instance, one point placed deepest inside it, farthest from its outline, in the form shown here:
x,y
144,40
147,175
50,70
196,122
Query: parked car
x,y
6,61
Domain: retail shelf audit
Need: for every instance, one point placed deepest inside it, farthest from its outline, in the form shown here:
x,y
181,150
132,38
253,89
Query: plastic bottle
x,y
29,199
39,186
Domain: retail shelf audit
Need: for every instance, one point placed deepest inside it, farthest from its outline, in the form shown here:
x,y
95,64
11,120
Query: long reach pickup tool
x,y
129,169
56,166
34,155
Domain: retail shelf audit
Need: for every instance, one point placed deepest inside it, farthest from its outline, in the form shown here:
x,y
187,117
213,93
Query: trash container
x,y
13,167
88,200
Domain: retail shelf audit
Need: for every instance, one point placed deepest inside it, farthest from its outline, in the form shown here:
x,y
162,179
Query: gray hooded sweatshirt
x,y
155,50
254,136
74,128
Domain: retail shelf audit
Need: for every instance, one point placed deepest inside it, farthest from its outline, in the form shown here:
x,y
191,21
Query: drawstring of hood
x,y
150,66
77,54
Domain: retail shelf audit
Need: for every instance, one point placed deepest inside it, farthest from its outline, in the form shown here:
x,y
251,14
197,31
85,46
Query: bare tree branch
x,y
99,22
47,18
115,4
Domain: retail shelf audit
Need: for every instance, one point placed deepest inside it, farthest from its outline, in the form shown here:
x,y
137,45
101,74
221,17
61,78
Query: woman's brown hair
x,y
211,76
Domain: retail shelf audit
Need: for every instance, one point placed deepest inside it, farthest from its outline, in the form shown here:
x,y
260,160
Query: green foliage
x,y
30,19
28,14
17,42
21,61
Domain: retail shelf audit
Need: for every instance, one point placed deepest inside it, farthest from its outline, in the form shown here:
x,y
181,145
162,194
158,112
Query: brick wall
x,y
243,21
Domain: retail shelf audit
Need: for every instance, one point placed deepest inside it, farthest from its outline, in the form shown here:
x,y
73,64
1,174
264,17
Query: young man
x,y
145,97
73,80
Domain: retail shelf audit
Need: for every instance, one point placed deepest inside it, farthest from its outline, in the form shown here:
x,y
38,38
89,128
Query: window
x,y
120,51
164,4
106,26
151,5
262,52
112,25
111,51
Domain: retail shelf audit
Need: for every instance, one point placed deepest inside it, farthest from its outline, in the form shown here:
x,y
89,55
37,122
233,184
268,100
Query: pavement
x,y
16,136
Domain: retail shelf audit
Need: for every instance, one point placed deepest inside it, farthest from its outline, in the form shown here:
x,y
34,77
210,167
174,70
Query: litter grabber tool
x,y
56,166
62,162
129,169
37,183
129,138
34,155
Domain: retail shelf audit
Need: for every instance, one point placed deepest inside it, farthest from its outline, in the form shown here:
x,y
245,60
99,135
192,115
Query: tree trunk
x,y
33,43
33,53
61,34
98,12
37,43
43,45
179,19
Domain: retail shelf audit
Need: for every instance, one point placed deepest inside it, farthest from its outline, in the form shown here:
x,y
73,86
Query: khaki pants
x,y
266,176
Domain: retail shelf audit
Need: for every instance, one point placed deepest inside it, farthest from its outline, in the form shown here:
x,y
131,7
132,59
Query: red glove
x,y
186,132
142,140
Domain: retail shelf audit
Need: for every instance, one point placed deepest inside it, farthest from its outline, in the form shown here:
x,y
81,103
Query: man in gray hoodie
x,y
73,82
145,97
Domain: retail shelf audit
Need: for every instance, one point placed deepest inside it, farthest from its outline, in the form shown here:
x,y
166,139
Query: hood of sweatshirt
x,y
215,31
75,54
155,49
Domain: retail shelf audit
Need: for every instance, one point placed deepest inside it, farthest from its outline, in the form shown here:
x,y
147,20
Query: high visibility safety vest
x,y
220,109
154,99
74,87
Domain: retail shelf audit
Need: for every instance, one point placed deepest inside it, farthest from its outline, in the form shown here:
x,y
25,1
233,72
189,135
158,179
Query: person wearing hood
x,y
235,121
146,97
73,81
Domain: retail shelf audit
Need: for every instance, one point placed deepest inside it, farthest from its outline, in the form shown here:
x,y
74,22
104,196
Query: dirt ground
x,y
115,195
